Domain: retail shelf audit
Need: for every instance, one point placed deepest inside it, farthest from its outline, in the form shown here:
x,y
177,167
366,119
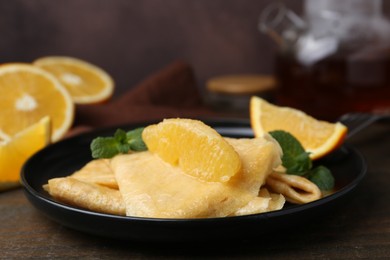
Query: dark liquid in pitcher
x,y
335,85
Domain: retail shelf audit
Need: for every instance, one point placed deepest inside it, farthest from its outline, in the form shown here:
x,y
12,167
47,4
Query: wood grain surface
x,y
358,229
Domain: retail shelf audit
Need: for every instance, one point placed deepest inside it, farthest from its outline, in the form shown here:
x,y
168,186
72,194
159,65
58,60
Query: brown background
x,y
131,39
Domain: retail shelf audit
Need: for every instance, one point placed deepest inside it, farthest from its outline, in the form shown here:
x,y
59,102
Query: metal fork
x,y
356,122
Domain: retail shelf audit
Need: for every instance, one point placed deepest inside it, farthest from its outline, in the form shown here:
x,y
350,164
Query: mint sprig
x,y
134,139
322,177
122,142
297,161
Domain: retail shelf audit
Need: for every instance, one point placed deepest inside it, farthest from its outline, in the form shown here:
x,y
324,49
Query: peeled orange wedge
x,y
27,94
194,147
4,137
317,137
15,152
85,82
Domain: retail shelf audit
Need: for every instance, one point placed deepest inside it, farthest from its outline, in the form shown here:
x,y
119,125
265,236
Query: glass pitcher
x,y
333,60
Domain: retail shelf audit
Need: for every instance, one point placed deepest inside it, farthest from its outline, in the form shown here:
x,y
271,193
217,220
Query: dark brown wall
x,y
132,38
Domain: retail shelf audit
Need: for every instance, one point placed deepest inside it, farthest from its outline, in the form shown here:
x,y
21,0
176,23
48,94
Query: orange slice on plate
x,y
316,136
86,83
195,147
15,151
28,94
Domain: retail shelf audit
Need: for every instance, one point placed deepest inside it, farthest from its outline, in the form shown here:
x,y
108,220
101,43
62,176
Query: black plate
x,y
64,157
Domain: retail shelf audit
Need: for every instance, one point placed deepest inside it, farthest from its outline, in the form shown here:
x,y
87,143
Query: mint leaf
x,y
298,164
322,177
120,136
121,142
121,139
104,147
134,139
295,159
136,133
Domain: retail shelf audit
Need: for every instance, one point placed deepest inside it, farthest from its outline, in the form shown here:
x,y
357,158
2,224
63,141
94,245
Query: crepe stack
x,y
143,185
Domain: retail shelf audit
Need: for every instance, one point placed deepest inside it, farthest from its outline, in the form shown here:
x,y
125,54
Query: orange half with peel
x,y
86,83
317,137
28,94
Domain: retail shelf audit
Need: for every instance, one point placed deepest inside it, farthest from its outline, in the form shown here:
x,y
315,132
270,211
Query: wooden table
x,y
359,229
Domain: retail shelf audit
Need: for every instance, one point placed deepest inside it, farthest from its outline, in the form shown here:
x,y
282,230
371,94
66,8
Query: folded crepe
x,y
266,201
98,172
296,189
258,157
150,187
86,195
153,188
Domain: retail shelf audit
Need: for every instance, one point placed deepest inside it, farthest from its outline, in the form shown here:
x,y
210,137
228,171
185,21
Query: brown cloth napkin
x,y
171,92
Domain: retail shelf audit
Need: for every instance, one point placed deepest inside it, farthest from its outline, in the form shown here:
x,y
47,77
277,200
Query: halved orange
x,y
15,152
85,82
316,136
29,93
194,147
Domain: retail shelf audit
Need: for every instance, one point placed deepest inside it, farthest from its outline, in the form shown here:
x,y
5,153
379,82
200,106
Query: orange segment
x,y
316,136
15,152
85,82
194,147
29,93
